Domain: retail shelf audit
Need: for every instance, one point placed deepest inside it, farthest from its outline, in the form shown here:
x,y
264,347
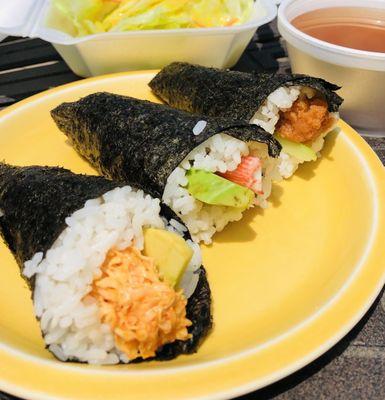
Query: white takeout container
x,y
360,73
134,50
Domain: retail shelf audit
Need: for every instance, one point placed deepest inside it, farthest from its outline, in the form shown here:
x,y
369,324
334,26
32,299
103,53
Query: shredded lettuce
x,y
87,17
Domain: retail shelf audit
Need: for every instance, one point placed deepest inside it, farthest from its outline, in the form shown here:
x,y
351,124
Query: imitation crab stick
x,y
248,174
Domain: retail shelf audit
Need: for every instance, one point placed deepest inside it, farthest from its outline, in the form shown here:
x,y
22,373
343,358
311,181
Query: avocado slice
x,y
213,189
297,150
170,252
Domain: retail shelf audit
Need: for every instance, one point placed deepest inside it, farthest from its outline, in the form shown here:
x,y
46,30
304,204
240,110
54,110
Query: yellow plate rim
x,y
361,288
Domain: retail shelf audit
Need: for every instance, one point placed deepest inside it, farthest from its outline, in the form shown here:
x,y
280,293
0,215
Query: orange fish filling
x,y
143,312
305,121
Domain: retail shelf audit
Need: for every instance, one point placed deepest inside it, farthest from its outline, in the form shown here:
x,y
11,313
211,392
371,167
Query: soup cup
x,y
360,73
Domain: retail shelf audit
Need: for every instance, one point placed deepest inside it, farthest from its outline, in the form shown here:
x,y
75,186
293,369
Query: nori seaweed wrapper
x,y
139,142
34,203
230,94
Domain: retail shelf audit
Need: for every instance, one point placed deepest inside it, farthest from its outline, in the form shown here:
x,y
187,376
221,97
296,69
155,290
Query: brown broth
x,y
354,27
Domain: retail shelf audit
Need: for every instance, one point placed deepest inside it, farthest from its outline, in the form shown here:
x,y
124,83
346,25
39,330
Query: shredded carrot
x,y
143,312
232,22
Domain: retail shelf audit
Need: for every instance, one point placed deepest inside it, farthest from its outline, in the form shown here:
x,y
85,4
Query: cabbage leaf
x,y
94,16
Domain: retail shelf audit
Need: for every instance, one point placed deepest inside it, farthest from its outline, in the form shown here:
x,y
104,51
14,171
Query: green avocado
x,y
170,252
213,189
297,150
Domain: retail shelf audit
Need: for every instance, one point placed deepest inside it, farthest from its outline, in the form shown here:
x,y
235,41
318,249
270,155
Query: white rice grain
x,y
199,127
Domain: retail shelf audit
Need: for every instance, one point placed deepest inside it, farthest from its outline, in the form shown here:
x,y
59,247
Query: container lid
x,y
17,16
27,18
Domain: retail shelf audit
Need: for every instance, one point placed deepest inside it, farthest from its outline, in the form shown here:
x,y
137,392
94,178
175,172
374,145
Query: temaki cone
x,y
36,207
139,142
222,93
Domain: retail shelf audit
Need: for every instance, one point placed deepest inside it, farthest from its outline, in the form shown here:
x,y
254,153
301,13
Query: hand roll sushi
x,y
113,273
207,170
298,110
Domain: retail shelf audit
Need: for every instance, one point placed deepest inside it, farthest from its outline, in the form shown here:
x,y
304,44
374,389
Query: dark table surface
x,y
354,369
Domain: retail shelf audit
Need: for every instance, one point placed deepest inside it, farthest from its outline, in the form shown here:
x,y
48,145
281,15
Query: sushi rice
x,y
267,117
70,320
220,153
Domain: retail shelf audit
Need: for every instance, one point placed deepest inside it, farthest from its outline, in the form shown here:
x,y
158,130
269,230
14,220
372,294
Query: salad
x,y
85,17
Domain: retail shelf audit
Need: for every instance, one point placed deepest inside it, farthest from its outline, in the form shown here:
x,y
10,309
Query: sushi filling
x,y
299,118
143,312
217,182
99,299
